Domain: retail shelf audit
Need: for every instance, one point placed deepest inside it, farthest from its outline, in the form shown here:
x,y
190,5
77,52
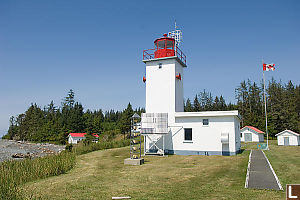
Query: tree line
x,y
205,101
283,105
53,123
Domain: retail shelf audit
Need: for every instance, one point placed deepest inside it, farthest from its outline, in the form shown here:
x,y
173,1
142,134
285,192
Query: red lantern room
x,y
164,47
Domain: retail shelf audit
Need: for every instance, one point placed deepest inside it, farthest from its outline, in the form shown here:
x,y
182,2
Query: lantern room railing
x,y
148,54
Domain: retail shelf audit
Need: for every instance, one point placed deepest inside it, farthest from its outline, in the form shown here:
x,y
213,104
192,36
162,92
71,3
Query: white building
x,y
165,125
251,134
288,138
74,138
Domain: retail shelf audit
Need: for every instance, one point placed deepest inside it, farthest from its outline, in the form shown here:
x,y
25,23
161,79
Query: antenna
x,y
176,34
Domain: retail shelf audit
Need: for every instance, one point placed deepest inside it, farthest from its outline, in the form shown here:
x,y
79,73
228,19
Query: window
x,y
170,44
188,134
161,44
205,122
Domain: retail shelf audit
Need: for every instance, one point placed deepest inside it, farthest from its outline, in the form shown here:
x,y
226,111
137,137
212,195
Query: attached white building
x,y
251,134
288,138
165,125
74,138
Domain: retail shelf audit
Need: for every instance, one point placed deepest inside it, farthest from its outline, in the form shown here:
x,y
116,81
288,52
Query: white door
x,y
248,137
286,141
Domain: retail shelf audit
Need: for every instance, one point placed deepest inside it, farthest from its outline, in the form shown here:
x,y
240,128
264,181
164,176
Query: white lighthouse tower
x,y
164,77
165,125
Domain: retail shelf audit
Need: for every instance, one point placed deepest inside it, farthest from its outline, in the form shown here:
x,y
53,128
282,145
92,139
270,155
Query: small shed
x,y
251,134
74,138
288,138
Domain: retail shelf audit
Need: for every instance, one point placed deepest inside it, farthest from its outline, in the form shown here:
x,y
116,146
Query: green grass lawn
x,y
102,175
285,161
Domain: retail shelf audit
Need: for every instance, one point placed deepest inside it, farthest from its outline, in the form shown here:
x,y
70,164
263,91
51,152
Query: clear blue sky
x,y
95,48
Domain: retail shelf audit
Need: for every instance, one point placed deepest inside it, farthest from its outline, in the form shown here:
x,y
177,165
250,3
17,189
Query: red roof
x,y
82,134
254,129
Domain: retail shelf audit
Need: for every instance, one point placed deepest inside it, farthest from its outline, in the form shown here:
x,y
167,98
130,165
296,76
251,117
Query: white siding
x,y
179,102
256,137
204,138
160,86
74,140
237,134
293,139
164,93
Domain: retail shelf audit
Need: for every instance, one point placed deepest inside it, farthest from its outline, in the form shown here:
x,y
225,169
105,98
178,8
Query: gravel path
x,y
10,147
261,174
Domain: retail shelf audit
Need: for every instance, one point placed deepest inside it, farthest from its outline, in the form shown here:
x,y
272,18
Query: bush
x,y
69,147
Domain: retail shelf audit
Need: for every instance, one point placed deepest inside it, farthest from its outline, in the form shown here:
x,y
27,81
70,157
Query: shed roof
x,y
289,131
82,134
253,128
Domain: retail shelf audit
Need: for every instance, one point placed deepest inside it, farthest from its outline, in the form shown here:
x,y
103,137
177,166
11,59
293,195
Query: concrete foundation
x,y
129,161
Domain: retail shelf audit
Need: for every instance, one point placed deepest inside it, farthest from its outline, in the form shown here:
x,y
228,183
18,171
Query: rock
x,y
18,155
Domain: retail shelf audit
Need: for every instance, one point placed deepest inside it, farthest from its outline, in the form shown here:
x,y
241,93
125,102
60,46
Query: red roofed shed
x,y
74,138
251,134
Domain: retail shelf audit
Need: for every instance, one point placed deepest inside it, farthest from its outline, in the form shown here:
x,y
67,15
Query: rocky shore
x,y
10,148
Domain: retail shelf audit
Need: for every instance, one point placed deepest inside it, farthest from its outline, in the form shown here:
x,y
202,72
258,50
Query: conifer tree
x,y
125,121
188,106
196,104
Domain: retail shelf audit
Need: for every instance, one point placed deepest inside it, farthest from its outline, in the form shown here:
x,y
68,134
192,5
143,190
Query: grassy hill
x,y
102,175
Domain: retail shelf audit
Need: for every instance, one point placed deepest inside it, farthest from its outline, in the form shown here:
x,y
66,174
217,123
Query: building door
x,y
248,137
286,141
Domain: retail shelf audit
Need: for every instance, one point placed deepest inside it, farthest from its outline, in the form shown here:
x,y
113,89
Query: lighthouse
x,y
166,128
165,65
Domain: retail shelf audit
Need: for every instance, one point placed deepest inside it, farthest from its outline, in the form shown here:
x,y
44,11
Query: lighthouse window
x,y
187,134
170,44
161,44
205,122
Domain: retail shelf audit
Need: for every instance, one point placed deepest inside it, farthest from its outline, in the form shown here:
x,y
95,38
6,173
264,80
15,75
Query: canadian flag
x,y
268,67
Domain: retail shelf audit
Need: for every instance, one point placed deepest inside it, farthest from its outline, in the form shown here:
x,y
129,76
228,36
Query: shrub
x,y
69,147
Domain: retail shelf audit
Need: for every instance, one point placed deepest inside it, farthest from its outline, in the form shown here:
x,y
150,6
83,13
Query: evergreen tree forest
x,y
283,105
53,123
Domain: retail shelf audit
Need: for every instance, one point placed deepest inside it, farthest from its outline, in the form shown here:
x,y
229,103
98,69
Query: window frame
x,y
206,125
185,139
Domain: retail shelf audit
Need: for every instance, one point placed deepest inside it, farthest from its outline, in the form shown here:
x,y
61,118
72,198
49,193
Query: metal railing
x,y
180,55
148,54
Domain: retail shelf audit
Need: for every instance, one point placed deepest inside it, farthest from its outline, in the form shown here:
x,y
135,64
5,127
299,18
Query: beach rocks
x,y
20,155
10,149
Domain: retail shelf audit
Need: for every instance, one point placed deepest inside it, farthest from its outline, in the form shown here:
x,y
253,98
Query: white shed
x,y
288,138
74,138
251,134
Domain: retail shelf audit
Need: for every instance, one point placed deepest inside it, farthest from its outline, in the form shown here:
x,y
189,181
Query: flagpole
x,y
266,108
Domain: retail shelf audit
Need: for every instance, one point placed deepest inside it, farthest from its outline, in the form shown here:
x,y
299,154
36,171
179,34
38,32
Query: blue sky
x,y
95,48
